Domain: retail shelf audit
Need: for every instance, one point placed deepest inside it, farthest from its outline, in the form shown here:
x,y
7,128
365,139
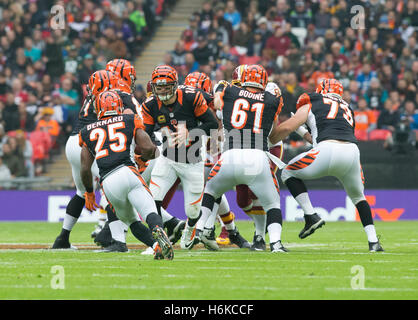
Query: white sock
x,y
206,213
102,218
69,222
165,215
305,203
275,232
211,221
260,222
117,230
371,233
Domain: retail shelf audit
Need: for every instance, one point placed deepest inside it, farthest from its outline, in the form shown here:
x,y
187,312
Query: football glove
x,y
91,204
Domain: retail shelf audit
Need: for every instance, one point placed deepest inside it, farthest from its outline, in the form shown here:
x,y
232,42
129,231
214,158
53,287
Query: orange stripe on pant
x,y
136,172
304,162
215,170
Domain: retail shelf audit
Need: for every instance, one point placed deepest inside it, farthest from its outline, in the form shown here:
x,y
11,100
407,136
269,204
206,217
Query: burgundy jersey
x,y
109,140
248,117
330,117
191,109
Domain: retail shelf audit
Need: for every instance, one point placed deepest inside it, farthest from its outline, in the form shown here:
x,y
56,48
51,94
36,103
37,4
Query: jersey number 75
x,y
333,111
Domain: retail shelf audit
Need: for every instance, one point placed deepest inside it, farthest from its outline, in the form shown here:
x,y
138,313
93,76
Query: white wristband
x,y
301,131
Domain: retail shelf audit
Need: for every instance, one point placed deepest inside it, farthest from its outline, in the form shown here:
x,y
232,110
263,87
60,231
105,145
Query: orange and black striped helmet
x,y
199,80
254,76
108,103
330,86
100,81
124,70
164,75
236,75
121,85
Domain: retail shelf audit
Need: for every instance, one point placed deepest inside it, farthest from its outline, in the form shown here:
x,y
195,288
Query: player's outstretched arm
x,y
284,129
303,132
145,144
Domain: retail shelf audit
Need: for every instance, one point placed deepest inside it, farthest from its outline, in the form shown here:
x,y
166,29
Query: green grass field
x,y
322,266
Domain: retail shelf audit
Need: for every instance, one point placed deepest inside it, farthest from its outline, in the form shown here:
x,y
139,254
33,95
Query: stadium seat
x,y
249,60
41,144
379,134
361,135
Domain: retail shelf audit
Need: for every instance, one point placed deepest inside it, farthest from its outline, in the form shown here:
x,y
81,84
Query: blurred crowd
x,y
370,46
371,49
46,60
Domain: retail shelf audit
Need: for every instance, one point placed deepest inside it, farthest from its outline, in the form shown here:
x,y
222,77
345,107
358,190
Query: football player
x,y
108,141
183,116
202,82
249,114
246,199
334,153
126,74
99,81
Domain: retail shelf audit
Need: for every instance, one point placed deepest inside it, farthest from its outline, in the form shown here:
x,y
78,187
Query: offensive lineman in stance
x,y
249,114
202,82
108,141
334,153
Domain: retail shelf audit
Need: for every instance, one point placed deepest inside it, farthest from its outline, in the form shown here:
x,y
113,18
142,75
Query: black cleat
x,y
312,222
61,243
104,237
375,247
237,239
116,246
166,248
175,233
96,231
277,247
258,244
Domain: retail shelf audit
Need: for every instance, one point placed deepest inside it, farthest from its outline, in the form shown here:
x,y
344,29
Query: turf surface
x,y
322,266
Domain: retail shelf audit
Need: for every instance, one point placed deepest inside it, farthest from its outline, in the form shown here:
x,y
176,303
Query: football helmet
x,y
164,82
124,70
273,89
108,103
236,75
101,81
199,80
330,86
254,76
